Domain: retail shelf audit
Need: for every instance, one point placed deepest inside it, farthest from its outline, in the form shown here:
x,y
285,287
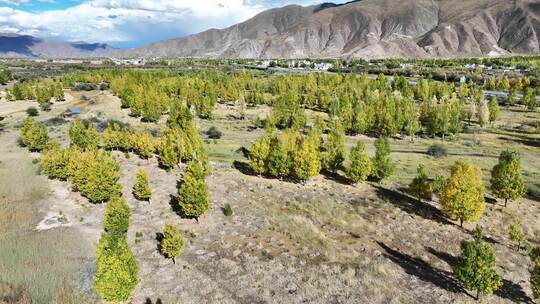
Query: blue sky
x,y
127,23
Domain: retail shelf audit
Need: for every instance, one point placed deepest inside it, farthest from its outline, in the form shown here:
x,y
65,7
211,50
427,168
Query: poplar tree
x,y
33,135
420,186
83,134
516,233
383,166
193,194
172,243
258,154
475,268
334,148
360,165
506,179
535,272
116,217
494,109
462,197
307,162
279,163
117,271
141,188
54,160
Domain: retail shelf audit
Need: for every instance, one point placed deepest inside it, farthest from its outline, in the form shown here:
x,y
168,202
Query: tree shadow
x,y
422,270
512,291
336,177
244,168
174,202
524,141
411,205
159,239
149,301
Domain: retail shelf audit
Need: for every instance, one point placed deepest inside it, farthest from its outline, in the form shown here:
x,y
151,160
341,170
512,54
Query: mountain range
x,y
363,28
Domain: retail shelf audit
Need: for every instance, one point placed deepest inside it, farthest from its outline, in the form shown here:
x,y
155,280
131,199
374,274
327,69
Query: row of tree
x,y
117,270
42,91
301,157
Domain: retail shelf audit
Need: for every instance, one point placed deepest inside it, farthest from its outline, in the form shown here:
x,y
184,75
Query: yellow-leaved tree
x,y
462,197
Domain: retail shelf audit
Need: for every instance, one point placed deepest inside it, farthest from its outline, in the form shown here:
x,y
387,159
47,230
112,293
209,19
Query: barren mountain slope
x,y
12,45
370,28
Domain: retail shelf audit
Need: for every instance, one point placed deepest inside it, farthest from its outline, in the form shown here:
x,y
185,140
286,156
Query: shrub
x,y
227,210
214,133
437,150
32,111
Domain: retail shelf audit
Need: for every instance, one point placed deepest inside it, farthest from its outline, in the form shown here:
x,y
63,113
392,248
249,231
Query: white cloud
x,y
115,21
14,2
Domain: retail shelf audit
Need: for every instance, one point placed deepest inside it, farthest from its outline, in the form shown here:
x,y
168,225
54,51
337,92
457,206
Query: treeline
x,y
382,106
43,91
5,76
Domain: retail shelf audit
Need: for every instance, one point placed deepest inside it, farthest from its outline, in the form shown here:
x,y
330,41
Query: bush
x,y
141,188
437,150
214,133
227,210
81,86
32,111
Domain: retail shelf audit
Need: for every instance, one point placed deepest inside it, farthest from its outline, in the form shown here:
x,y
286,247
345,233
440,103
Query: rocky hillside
x,y
12,45
370,28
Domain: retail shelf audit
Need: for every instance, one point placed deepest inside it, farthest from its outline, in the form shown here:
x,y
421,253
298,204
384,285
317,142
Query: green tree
x,y
334,150
494,110
116,217
506,179
462,197
83,134
279,162
420,186
117,271
143,144
383,166
33,135
168,156
193,194
172,242
360,165
141,188
476,266
516,233
535,272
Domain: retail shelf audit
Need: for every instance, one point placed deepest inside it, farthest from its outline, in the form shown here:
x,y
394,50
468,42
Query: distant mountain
x,y
370,28
362,28
12,45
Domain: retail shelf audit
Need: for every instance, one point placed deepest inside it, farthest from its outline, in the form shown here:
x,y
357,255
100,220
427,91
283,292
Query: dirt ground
x,y
323,242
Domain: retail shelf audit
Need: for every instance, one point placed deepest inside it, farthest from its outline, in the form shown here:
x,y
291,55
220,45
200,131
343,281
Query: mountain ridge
x,y
361,28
